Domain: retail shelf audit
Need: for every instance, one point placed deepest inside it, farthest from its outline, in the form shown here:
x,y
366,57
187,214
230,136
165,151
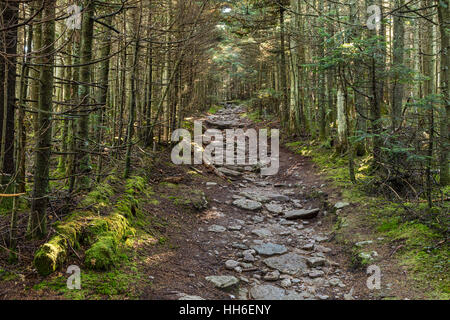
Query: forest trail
x,y
245,248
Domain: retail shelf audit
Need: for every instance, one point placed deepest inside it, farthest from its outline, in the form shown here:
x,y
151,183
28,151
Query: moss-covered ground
x,y
417,234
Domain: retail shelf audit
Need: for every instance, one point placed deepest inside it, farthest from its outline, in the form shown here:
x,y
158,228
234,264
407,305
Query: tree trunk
x,y
38,216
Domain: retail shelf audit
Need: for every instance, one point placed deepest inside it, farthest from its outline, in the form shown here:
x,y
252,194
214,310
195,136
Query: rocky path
x,y
265,232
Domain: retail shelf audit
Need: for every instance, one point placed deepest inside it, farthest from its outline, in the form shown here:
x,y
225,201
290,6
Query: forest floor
x,y
269,256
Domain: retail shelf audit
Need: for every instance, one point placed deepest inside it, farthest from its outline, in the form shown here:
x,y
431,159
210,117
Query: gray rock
x,y
231,264
216,228
308,247
184,296
320,238
262,233
247,204
323,249
249,257
241,246
235,227
349,296
301,214
363,243
229,172
270,249
255,196
297,204
316,274
286,283
316,262
272,276
341,205
245,265
243,294
274,208
223,282
290,263
269,292
279,197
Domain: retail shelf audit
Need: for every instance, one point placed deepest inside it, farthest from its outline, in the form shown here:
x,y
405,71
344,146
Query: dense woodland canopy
x,y
79,103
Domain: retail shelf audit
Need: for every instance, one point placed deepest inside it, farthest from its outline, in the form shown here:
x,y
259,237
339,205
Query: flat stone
x,y
216,228
308,247
211,184
246,265
269,292
290,263
235,227
241,246
262,233
321,238
279,197
323,249
316,262
255,196
184,296
272,276
270,249
223,282
247,204
363,243
231,264
274,208
341,205
301,214
229,172
316,274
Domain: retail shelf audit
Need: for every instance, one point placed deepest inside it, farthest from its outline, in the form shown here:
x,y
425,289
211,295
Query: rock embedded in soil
x,y
184,296
272,276
290,263
229,172
262,233
301,214
314,262
274,208
247,204
223,282
255,196
316,274
231,264
286,283
341,205
217,229
270,249
269,292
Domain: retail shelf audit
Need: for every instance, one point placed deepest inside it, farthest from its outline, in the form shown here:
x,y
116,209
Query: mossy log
x,y
87,230
102,234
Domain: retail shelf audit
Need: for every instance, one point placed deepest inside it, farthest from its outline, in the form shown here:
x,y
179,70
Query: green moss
x,y
190,198
51,255
100,197
214,109
168,185
103,254
128,205
116,284
135,185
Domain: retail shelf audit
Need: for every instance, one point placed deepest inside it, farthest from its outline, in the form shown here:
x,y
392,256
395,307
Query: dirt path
x,y
246,238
